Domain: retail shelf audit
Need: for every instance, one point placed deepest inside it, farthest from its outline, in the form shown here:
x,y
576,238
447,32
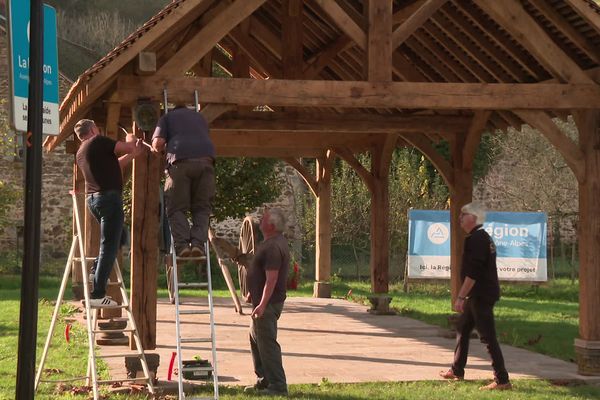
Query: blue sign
x,y
520,240
19,28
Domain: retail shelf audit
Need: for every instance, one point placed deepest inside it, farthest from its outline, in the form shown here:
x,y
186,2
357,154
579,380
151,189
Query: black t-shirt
x,y
186,134
99,164
479,264
272,254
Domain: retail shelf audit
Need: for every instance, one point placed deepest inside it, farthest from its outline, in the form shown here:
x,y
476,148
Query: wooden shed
x,y
341,77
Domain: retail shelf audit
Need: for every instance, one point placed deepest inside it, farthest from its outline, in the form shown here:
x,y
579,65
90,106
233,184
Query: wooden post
x,y
379,43
79,188
461,193
322,286
587,346
112,131
144,245
380,204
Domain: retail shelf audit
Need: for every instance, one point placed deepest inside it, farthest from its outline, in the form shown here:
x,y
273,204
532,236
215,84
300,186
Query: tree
x,y
244,184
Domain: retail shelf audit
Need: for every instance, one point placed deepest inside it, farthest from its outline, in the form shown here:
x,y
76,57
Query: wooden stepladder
x,y
91,314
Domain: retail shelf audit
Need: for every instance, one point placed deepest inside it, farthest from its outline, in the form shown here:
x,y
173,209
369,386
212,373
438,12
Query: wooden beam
x,y
271,152
316,63
379,44
292,35
261,57
311,182
567,29
344,22
208,36
489,53
409,95
324,167
513,17
480,120
587,12
572,154
213,111
404,13
524,58
346,154
440,163
291,139
415,21
349,123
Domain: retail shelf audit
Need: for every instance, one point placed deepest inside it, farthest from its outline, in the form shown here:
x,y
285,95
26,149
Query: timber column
x,y
144,245
461,193
322,287
587,346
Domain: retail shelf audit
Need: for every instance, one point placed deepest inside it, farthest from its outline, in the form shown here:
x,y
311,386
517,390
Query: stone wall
x,y
56,183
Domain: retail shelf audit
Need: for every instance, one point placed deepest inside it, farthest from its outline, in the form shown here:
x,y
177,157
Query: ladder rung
x,y
105,381
86,258
192,312
109,283
113,330
195,340
192,369
117,355
77,378
122,306
193,285
203,258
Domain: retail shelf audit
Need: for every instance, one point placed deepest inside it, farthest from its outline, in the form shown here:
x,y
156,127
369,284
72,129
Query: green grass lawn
x,y
523,314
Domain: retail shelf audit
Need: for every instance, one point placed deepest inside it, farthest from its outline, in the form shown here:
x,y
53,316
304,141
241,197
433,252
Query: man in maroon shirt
x,y
101,167
476,298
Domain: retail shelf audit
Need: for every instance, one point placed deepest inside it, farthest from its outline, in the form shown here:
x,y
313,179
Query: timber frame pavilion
x,y
343,77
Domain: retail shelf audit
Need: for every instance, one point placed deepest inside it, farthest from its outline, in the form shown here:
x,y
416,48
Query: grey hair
x,y
277,218
476,209
84,127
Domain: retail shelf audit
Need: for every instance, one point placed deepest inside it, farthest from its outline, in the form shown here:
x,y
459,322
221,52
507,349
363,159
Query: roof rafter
x,y
415,21
209,35
513,17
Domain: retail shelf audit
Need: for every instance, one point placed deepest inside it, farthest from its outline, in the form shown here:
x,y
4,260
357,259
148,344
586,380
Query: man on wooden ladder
x,y
190,184
98,160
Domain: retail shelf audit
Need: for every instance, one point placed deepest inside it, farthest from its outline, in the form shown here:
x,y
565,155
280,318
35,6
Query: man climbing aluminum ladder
x,y
194,368
91,316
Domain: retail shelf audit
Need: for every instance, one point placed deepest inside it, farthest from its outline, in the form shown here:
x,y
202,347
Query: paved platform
x,y
339,340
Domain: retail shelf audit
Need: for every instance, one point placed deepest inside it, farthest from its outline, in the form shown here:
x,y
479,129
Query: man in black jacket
x,y
476,298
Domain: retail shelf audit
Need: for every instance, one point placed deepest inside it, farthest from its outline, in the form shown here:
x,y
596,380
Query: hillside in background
x,y
88,30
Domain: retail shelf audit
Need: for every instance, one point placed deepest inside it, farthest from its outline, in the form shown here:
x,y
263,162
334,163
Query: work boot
x,y
497,386
450,375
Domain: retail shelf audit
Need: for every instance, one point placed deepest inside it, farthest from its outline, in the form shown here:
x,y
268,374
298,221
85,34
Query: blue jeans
x,y
107,208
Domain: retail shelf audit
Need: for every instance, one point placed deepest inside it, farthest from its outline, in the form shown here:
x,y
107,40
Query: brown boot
x,y
450,375
497,386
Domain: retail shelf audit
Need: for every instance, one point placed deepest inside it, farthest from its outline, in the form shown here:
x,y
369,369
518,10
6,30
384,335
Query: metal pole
x,y
33,188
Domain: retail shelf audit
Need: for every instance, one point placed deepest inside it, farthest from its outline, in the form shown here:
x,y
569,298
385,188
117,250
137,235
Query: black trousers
x,y
478,314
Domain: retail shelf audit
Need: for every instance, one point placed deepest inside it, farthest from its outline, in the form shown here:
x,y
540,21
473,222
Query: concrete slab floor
x,y
340,341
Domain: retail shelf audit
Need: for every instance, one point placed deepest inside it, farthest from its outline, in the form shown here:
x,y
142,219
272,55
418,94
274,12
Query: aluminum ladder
x,y
193,308
91,316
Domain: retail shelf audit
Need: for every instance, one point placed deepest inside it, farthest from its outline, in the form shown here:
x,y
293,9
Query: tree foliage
x,y
531,175
244,184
